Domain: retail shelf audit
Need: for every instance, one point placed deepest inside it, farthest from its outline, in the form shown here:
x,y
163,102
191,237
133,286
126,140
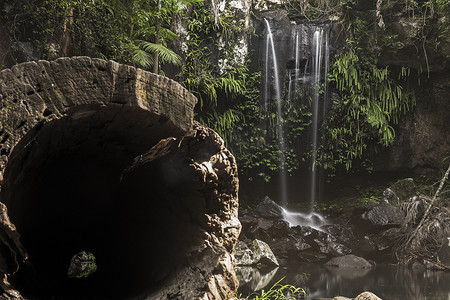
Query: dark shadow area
x,y
64,194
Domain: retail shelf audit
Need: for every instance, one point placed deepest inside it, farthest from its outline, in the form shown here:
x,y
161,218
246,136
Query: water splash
x,y
312,219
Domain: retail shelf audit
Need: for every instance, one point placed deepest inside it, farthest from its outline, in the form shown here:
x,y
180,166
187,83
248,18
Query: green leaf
x,y
165,54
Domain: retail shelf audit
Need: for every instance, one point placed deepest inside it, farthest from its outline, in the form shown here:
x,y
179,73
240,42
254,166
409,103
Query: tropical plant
x,y
279,292
371,101
160,17
216,87
136,31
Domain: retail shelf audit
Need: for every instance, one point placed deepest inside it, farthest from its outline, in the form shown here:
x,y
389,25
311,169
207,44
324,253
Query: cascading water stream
x,y
266,77
307,78
321,51
277,90
316,78
325,72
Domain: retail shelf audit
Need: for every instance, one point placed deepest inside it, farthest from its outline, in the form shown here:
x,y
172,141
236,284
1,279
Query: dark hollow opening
x,y
64,193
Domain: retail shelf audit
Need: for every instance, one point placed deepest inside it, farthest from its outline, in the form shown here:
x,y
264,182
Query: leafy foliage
x,y
121,30
279,292
143,57
371,101
256,138
210,82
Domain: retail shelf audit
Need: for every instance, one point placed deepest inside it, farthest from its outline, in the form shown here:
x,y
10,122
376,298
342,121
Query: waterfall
x,y
305,63
270,46
316,79
319,72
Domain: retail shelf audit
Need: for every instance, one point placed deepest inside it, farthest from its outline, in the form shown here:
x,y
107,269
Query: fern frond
x,y
168,34
142,58
165,54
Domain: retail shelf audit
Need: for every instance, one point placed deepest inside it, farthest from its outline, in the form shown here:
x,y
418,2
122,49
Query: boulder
x,y
386,239
242,254
349,261
400,191
269,209
367,296
288,246
444,252
255,253
343,234
364,245
373,218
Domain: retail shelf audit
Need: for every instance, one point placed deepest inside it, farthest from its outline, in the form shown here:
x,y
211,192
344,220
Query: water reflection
x,y
387,282
253,279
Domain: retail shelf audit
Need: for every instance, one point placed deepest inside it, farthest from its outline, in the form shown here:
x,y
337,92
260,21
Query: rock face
x,y
76,172
200,183
36,93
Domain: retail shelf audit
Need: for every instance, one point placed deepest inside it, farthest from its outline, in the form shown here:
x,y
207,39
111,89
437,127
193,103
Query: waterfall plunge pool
x,y
387,282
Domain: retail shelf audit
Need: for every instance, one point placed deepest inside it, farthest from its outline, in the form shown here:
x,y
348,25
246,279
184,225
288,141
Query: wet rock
x,y
82,265
288,246
255,253
422,137
349,261
343,234
242,254
444,252
365,245
335,249
386,239
377,217
400,191
268,209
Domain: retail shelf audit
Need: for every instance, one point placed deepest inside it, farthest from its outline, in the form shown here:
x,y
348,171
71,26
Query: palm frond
x,y
165,54
142,58
168,34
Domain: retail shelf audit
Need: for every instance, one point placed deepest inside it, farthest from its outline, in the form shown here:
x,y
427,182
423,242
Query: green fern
x,y
370,103
223,122
142,58
165,54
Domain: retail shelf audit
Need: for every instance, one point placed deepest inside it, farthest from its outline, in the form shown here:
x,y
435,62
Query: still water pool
x,y
387,282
